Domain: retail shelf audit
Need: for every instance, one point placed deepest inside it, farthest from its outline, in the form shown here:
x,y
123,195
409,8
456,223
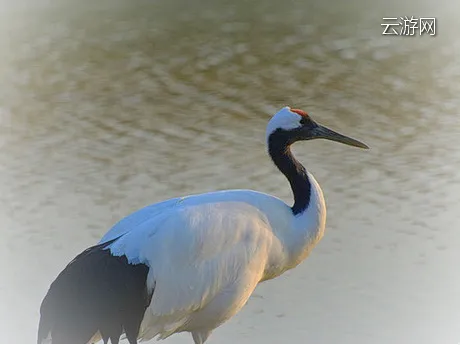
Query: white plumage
x,y
221,245
206,253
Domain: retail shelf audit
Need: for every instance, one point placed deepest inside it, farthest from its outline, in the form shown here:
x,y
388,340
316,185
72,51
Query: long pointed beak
x,y
326,133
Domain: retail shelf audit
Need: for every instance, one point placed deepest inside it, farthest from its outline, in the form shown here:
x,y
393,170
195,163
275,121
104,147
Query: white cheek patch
x,y
283,119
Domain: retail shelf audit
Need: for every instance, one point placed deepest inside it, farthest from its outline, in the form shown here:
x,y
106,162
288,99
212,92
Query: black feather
x,y
95,292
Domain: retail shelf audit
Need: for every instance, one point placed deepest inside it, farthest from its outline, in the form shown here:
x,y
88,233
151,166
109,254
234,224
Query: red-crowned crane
x,y
189,264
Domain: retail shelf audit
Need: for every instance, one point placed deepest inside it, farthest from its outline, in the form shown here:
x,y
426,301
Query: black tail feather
x,y
95,292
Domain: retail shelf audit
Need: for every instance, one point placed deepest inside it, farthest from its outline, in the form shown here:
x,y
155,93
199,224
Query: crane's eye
x,y
305,120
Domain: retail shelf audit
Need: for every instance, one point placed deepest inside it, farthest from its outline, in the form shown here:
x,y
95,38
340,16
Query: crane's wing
x,y
198,254
135,220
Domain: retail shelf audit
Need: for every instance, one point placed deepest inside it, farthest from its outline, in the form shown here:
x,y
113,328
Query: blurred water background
x,y
106,106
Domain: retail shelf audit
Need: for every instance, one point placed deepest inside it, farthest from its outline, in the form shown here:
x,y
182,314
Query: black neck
x,y
280,152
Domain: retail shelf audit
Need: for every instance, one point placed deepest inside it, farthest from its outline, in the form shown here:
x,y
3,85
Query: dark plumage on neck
x,y
279,149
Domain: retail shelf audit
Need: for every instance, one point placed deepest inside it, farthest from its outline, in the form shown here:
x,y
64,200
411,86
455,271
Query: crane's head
x,y
291,125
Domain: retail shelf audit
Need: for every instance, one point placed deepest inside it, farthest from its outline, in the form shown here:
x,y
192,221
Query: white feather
x,y
283,119
208,252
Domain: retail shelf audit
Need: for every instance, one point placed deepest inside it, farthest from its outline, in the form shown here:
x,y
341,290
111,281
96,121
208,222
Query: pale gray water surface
x,y
107,106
